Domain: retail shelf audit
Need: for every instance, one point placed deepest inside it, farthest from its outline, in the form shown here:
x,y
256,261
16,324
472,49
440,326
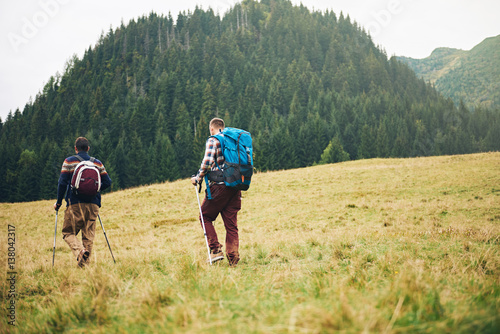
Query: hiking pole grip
x,y
106,238
199,184
54,249
203,224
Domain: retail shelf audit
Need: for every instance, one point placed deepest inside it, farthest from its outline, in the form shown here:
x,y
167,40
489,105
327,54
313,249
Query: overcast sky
x,y
37,37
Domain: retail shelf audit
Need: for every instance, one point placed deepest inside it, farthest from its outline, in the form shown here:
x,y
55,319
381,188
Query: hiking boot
x,y
216,256
83,257
233,260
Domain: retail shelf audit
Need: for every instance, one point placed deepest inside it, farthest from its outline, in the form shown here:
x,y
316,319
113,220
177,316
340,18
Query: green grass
x,y
372,246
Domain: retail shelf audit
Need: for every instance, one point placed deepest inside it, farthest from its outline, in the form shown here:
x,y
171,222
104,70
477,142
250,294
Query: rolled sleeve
x,y
211,149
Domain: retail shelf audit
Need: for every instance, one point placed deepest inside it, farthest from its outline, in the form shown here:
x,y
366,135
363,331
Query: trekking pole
x,y
203,224
54,251
106,238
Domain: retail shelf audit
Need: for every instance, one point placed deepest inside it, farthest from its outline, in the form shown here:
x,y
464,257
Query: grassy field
x,y
371,246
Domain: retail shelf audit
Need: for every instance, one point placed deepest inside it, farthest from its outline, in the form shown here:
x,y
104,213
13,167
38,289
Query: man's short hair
x,y
217,123
82,144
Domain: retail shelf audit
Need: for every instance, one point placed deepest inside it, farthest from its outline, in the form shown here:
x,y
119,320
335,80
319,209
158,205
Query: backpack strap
x,y
92,159
209,194
238,148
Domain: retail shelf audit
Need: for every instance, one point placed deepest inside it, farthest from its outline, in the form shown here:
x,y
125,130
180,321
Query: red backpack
x,y
86,180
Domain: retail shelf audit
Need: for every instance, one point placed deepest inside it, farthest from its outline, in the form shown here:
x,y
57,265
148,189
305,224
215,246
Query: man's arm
x,y
105,179
62,184
208,160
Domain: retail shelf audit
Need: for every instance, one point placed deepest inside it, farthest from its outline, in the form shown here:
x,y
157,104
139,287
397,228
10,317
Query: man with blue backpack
x,y
227,168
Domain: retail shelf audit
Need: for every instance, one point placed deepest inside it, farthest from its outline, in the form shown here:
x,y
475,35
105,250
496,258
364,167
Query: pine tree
x,y
167,167
50,162
334,152
27,185
367,148
383,148
422,144
137,172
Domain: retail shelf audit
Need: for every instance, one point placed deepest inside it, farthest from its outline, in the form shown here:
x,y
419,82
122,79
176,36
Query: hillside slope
x,y
397,245
472,76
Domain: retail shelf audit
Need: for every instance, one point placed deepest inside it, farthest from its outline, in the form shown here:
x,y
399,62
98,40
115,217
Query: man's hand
x,y
194,181
57,206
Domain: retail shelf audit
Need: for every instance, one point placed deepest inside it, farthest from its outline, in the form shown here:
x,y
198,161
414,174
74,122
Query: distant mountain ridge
x,y
472,76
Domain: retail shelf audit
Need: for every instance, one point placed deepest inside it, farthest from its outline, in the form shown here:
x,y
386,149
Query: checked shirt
x,y
213,151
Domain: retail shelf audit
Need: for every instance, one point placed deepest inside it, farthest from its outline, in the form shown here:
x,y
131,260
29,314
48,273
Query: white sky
x,y
37,37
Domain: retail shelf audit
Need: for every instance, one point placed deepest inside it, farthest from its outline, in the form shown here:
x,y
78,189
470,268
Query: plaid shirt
x,y
212,151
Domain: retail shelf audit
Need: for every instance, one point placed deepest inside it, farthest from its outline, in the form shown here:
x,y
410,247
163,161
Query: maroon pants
x,y
227,202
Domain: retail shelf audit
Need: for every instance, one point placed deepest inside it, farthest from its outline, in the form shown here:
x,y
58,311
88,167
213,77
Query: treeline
x,y
471,77
310,86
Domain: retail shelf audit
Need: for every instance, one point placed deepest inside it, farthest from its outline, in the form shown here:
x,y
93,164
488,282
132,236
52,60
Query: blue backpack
x,y
237,171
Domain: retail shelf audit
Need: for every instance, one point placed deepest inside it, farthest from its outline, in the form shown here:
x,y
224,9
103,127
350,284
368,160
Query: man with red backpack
x,y
81,181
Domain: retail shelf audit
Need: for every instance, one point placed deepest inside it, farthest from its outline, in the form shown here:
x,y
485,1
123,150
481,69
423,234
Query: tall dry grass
x,y
372,246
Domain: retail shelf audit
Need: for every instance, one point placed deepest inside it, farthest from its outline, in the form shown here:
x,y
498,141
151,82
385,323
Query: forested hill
x,y
471,76
310,86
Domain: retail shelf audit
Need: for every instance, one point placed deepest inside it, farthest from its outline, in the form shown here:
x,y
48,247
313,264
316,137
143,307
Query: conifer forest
x,y
310,86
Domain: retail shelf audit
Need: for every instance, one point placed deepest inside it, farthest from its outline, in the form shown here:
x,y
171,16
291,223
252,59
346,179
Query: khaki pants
x,y
80,217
